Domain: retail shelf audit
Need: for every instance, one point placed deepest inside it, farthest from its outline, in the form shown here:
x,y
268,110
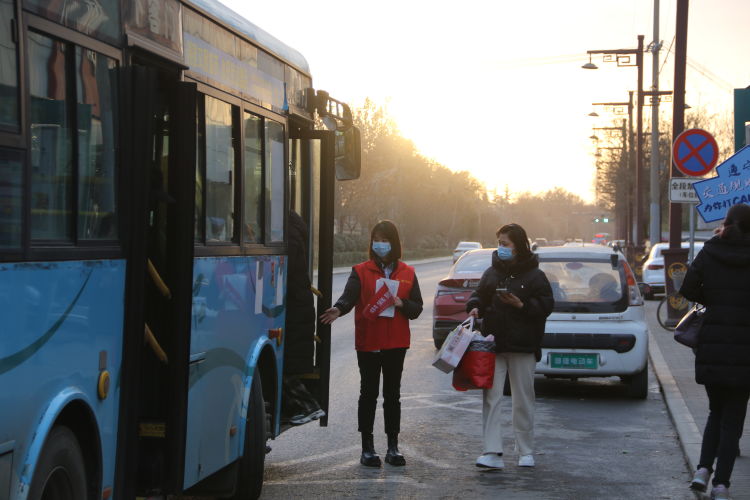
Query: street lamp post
x,y
622,58
654,233
626,223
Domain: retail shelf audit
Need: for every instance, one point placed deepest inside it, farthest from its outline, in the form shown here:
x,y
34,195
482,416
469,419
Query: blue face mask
x,y
381,248
504,253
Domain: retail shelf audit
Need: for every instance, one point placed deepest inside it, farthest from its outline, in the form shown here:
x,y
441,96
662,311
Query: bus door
x,y
163,136
317,159
307,195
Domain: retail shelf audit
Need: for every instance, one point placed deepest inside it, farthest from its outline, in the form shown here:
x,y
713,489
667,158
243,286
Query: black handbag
x,y
686,331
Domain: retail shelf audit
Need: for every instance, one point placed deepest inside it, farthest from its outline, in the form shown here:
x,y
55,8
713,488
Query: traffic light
x,y
596,219
605,219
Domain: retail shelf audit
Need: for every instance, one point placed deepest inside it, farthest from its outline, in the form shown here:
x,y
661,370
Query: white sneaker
x,y
526,461
700,480
491,461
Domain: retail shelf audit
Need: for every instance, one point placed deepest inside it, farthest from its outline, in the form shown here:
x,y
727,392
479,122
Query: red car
x,y
454,291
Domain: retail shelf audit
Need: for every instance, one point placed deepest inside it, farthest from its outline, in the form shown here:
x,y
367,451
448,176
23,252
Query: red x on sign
x,y
695,152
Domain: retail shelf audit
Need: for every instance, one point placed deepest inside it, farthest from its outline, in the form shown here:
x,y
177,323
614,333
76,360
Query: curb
x,y
689,435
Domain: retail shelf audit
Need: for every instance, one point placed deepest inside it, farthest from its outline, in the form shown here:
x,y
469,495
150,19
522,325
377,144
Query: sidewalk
x,y
687,402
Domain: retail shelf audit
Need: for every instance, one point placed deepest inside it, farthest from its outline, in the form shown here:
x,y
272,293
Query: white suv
x,y
597,327
463,247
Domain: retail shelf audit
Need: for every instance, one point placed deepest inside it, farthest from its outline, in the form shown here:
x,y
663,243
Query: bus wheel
x,y
60,473
250,474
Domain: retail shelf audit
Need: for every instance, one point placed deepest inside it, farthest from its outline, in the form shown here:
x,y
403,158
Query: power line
x,y
666,56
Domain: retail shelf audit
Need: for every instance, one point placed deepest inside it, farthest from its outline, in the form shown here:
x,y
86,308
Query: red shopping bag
x,y
477,367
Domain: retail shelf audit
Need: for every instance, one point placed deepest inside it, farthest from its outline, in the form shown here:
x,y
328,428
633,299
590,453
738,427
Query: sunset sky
x,y
496,87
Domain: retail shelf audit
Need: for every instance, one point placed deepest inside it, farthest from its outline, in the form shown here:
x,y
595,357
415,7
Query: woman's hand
x,y
330,315
511,300
398,302
474,312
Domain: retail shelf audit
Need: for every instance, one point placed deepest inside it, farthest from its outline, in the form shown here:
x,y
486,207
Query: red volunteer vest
x,y
381,333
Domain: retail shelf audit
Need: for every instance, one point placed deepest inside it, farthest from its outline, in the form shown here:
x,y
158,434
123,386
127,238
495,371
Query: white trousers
x,y
520,369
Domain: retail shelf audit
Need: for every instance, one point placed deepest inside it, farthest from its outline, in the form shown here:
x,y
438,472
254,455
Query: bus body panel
x,y
60,321
236,302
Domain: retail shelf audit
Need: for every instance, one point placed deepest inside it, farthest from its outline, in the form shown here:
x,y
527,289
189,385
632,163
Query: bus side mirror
x,y
348,156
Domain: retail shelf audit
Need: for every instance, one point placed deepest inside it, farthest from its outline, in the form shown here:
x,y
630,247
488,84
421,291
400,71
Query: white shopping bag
x,y
454,347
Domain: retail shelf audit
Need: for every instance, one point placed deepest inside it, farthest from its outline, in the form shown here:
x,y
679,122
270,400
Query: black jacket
x,y
515,330
719,278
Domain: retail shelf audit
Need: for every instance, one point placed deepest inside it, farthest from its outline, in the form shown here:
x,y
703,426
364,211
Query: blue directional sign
x,y
730,187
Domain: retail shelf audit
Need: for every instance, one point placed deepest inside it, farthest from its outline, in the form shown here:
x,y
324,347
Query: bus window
x,y
100,19
96,145
275,177
8,69
219,171
51,152
253,179
10,198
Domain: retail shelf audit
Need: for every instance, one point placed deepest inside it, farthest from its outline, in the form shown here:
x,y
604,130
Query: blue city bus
x,y
150,156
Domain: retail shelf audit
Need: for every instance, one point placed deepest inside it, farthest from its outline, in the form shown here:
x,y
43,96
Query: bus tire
x,y
60,472
250,473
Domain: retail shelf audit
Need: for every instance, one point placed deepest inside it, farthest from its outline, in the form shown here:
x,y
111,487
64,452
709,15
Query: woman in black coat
x,y
514,299
719,278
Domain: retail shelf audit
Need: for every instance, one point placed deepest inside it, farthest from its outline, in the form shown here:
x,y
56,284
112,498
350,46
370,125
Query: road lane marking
x,y
311,458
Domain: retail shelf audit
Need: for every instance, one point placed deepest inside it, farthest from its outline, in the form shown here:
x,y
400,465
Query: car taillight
x,y
654,267
634,295
459,283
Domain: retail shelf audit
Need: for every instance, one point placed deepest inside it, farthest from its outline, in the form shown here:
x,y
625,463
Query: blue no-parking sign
x,y
695,152
730,187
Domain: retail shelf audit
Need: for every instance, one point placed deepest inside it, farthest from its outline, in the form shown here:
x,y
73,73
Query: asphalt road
x,y
592,441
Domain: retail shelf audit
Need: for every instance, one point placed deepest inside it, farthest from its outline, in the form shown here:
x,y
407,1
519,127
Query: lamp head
x,y
590,65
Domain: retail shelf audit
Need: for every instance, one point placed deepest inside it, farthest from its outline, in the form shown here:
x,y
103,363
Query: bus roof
x,y
251,31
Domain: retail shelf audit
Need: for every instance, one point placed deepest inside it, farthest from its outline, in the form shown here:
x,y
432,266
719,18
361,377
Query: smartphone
x,y
501,289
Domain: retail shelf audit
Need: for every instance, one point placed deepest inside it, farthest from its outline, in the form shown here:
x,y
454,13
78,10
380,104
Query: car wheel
x,y
60,472
638,384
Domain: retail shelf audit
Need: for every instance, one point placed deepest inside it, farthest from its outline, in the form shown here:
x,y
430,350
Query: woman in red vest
x,y
381,333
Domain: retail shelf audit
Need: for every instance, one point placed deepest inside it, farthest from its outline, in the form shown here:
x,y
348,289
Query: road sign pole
x,y
691,255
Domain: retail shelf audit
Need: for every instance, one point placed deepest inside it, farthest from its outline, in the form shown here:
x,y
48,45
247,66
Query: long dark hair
x,y
737,222
517,235
387,229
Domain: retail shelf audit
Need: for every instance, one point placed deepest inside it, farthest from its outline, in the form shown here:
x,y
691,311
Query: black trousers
x,y
391,363
721,438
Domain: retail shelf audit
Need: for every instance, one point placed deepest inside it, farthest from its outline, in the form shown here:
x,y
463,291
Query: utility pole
x,y
675,257
654,233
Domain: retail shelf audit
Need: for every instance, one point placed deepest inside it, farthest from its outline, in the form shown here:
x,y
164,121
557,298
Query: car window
x,y
586,285
474,262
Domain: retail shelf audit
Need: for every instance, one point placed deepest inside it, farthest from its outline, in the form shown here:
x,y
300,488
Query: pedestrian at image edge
x,y
719,279
517,320
381,343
